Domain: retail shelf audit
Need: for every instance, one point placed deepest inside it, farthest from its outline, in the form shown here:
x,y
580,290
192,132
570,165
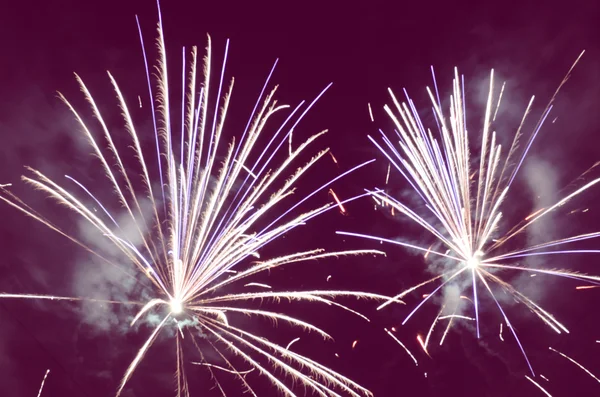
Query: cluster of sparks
x,y
212,213
212,210
462,206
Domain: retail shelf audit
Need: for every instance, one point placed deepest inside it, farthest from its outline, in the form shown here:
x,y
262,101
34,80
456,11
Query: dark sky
x,y
363,48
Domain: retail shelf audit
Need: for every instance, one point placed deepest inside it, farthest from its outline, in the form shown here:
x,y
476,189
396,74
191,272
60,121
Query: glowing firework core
x,y
474,261
176,306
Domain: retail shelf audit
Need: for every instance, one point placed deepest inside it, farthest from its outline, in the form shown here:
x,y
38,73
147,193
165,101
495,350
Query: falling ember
x,y
538,386
354,344
42,385
337,200
544,378
370,112
401,344
337,355
291,343
576,363
333,157
427,252
500,335
328,278
140,101
393,329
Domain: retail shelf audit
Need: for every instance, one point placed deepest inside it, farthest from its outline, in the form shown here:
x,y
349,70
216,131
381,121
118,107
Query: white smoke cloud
x,y
117,281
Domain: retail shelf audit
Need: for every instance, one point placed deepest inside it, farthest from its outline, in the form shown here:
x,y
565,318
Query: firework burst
x,y
463,201
212,210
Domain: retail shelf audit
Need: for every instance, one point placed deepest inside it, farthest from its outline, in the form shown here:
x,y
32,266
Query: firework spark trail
x,y
538,386
465,201
207,218
402,345
587,371
43,381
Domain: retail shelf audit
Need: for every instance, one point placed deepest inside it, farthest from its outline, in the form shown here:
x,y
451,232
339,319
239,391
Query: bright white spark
x,y
538,386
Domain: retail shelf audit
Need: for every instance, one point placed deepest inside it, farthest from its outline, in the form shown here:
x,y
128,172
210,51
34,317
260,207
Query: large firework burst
x,y
211,211
463,203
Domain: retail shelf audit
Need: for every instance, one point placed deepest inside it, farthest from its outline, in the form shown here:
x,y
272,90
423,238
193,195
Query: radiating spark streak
x,y
387,175
198,215
544,378
576,363
42,385
326,375
140,355
354,344
5,185
500,334
586,286
370,112
534,214
426,343
225,369
456,316
401,344
463,198
337,200
394,242
432,294
66,298
508,324
538,386
258,285
405,292
291,343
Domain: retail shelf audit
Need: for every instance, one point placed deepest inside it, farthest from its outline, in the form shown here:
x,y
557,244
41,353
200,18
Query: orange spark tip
x,y
422,343
535,213
333,157
337,200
